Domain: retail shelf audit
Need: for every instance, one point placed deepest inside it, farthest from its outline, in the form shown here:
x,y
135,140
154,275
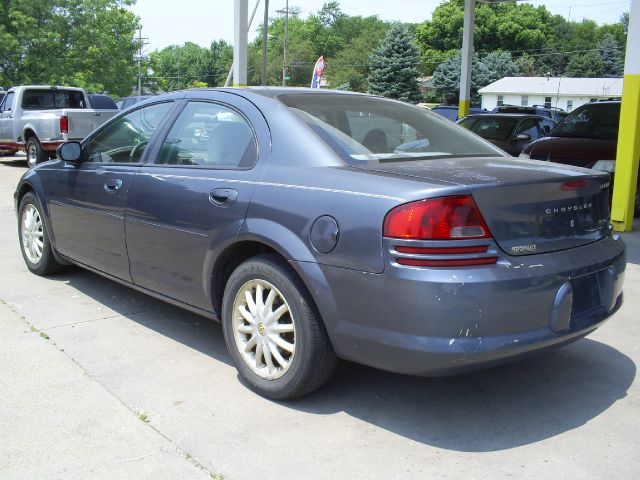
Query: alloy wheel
x,y
264,329
32,234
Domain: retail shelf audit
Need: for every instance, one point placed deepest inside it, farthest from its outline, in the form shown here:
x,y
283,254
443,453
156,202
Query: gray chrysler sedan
x,y
318,225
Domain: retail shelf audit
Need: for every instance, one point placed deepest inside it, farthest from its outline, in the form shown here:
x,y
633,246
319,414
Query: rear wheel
x,y
273,332
35,153
34,237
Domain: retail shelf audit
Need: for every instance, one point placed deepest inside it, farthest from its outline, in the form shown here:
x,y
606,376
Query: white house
x,y
562,92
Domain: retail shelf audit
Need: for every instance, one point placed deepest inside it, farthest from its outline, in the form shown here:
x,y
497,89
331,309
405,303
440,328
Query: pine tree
x,y
609,50
393,66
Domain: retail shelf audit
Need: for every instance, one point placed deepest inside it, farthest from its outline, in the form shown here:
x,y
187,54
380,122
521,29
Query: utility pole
x,y
286,42
265,37
141,43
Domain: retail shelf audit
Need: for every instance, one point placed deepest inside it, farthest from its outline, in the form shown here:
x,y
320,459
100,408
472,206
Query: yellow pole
x,y
628,154
467,56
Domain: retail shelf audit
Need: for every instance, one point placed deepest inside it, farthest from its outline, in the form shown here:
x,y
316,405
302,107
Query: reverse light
x,y
64,124
444,218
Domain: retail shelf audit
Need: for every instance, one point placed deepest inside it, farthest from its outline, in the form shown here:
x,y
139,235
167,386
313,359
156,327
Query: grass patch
x,y
44,335
144,417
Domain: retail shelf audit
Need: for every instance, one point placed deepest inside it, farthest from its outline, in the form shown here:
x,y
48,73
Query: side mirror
x,y
523,136
70,152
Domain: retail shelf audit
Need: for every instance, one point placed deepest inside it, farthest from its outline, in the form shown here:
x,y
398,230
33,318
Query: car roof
x,y
507,115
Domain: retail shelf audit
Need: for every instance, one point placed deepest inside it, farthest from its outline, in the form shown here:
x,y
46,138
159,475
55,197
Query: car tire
x,y
273,330
33,235
35,153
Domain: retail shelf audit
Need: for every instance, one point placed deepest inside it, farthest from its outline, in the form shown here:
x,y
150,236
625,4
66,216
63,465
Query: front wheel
x,y
273,332
35,153
34,237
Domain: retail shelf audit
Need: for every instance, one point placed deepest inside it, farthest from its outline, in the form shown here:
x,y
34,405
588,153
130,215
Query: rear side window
x,y
52,99
209,135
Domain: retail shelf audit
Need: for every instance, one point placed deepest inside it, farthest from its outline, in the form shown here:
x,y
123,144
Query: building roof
x,y
587,87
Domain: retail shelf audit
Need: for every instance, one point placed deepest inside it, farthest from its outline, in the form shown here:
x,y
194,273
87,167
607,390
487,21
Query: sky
x,y
202,21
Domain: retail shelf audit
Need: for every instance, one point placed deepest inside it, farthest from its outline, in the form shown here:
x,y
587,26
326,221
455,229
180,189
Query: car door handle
x,y
223,197
112,185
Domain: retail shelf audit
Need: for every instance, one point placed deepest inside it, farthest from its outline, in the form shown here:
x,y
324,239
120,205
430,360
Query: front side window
x,y
363,129
126,139
209,135
528,127
8,102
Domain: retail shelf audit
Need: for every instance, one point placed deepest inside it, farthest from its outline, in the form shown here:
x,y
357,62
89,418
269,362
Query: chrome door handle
x,y
112,185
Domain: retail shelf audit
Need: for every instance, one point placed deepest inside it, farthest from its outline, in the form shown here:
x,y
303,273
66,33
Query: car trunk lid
x,y
530,206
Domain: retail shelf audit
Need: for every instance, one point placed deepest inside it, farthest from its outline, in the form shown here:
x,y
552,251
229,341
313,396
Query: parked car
x,y
510,132
8,151
587,138
318,225
126,102
39,118
554,113
451,111
100,101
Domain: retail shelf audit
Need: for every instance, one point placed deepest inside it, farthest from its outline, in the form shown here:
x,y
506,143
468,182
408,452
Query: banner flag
x,y
317,73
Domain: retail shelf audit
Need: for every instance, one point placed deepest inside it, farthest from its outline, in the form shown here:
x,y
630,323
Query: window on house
x,y
500,100
547,102
569,105
524,101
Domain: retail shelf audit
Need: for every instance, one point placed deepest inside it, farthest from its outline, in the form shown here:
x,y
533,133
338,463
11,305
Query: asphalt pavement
x,y
98,381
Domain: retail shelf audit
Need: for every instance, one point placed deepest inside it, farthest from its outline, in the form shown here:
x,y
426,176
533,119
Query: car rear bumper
x,y
443,321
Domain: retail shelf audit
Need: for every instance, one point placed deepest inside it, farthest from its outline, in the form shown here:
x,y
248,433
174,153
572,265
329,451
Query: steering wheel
x,y
140,145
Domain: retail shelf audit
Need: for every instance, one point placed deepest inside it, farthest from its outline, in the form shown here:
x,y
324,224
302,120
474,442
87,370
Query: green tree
x,y
610,52
494,66
393,63
182,66
486,70
587,64
86,43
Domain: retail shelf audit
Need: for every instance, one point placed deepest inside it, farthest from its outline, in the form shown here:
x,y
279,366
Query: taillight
x,y
444,218
64,124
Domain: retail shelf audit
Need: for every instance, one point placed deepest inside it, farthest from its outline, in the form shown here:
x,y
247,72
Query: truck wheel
x,y
273,332
35,154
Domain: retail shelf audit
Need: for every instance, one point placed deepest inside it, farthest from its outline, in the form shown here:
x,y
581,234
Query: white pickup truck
x,y
38,118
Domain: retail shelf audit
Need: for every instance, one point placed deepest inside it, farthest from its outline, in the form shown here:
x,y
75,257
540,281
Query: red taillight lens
x,y
64,124
444,218
575,185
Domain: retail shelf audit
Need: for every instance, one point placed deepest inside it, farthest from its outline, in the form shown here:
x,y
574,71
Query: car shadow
x,y
488,410
20,162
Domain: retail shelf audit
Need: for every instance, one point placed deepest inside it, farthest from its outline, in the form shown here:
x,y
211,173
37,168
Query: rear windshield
x,y
491,128
52,99
364,129
592,120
